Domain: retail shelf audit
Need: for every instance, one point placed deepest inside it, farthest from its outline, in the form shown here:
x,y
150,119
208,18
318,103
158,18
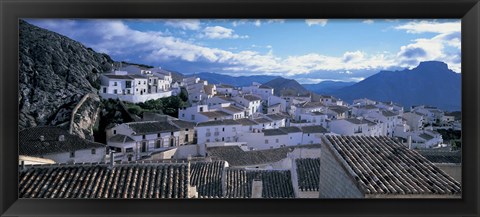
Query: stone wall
x,y
84,155
136,98
335,182
453,170
185,151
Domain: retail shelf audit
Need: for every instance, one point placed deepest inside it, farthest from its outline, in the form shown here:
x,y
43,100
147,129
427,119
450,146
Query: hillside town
x,y
245,142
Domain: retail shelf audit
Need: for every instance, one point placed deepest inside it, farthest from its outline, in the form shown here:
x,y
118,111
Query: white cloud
x,y
423,49
116,38
346,72
236,23
219,32
185,24
357,79
258,23
310,80
368,21
416,27
320,22
353,56
276,21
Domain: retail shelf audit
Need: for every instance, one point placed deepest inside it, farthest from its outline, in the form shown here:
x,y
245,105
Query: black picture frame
x,y
11,11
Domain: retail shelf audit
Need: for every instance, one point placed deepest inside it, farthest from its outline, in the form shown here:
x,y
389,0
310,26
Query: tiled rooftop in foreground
x,y
235,156
149,180
276,183
381,166
308,170
207,177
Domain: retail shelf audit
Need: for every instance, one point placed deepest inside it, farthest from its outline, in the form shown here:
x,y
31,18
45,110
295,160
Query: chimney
x,y
257,188
112,162
409,142
192,190
61,138
224,181
42,138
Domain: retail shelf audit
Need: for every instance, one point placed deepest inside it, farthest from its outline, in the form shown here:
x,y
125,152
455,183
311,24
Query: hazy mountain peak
x,y
430,83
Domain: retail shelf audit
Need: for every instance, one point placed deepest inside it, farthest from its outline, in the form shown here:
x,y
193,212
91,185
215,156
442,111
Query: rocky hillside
x,y
55,73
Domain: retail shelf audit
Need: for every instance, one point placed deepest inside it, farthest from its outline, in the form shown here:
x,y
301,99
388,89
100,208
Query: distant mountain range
x,y
214,78
430,83
327,87
286,86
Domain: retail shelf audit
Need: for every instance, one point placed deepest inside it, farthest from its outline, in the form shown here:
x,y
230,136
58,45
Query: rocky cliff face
x,y
55,73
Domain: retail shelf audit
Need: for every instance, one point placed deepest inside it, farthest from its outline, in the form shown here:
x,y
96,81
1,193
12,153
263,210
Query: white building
x,y
137,140
354,126
363,102
361,110
337,112
55,143
218,131
226,89
424,139
414,120
388,121
282,137
431,114
312,134
258,89
250,126
251,102
274,101
279,119
331,101
315,118
296,99
297,110
273,138
390,106
235,111
133,87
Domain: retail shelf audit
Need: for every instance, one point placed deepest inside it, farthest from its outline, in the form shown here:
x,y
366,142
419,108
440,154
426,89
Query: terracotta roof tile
x,y
149,127
314,129
207,176
382,166
99,181
308,170
235,156
275,183
31,145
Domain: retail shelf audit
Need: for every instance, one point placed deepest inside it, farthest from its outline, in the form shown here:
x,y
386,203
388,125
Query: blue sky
x,y
310,51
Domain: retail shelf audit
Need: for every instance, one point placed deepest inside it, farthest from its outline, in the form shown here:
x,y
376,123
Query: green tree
x,y
152,105
135,109
183,94
172,104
